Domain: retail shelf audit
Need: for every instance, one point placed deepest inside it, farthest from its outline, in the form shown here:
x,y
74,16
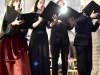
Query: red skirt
x,y
12,47
13,56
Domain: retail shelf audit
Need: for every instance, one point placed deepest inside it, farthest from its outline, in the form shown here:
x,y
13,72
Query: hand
x,y
17,22
54,17
69,57
59,21
71,20
40,19
93,15
98,20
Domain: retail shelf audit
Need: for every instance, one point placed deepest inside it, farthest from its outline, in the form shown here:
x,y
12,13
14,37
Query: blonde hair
x,y
62,1
11,3
58,1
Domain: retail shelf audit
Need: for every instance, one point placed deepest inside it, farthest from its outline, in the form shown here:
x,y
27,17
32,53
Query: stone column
x,y
96,47
23,6
2,9
75,4
2,5
96,53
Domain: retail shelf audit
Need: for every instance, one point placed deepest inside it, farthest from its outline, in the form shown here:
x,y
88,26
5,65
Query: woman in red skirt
x,y
13,46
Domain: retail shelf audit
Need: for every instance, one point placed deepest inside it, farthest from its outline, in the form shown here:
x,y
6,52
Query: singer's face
x,y
17,4
40,4
61,3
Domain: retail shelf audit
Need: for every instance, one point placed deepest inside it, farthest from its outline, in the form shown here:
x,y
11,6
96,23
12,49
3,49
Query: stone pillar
x,y
96,53
75,4
2,5
96,47
2,9
23,6
96,50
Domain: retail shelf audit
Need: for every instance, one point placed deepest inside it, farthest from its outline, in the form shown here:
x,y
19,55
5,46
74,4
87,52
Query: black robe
x,y
39,50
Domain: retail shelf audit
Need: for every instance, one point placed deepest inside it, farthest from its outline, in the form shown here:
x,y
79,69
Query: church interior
x,y
28,5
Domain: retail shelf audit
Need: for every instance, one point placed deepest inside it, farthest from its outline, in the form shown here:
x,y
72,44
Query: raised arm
x,y
55,20
35,24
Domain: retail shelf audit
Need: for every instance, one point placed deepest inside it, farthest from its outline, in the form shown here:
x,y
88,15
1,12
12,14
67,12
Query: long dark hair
x,y
35,7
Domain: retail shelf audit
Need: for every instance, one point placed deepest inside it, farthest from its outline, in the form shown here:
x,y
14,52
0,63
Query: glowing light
x,y
35,63
63,10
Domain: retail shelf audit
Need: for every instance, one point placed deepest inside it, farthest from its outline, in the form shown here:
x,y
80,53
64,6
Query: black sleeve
x,y
6,29
95,27
82,20
48,25
25,32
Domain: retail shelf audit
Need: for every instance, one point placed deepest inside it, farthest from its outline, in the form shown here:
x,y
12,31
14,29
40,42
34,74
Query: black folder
x,y
90,7
12,14
69,13
53,8
29,19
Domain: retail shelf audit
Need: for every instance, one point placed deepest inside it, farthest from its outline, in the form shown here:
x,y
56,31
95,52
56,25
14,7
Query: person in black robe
x,y
83,41
38,46
59,40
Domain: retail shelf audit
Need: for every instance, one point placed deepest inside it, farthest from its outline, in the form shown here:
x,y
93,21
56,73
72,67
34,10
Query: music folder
x,y
90,7
12,14
53,8
69,14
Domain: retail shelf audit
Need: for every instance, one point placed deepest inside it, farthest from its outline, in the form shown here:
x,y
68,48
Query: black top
x,y
8,30
12,14
39,49
83,29
59,34
42,25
